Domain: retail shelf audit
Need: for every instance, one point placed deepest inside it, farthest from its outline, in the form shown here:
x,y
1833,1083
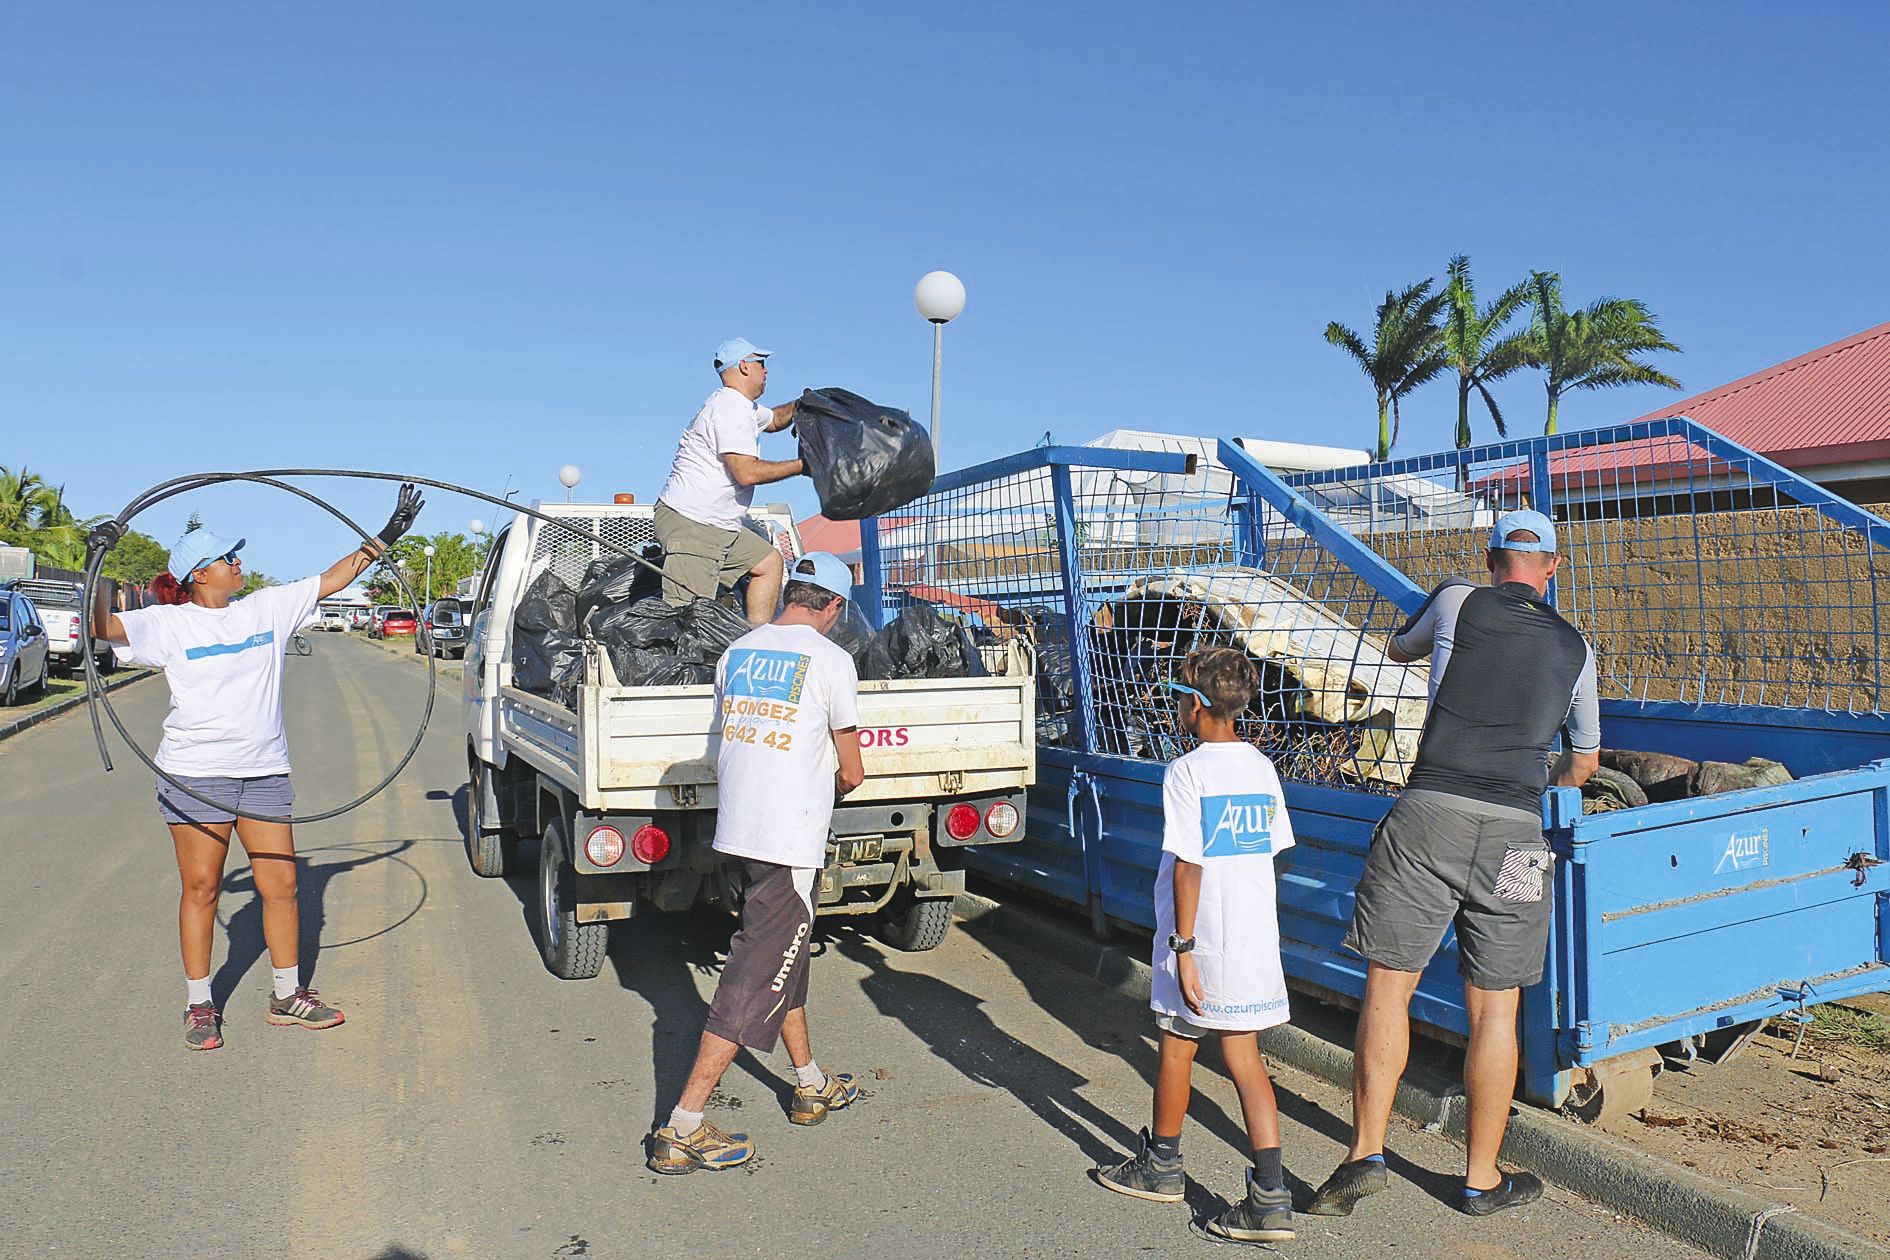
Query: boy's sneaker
x,y
1348,1183
302,1009
202,1029
708,1147
1263,1216
1147,1176
811,1106
1517,1189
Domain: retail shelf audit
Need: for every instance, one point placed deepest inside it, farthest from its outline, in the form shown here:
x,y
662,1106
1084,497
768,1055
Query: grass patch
x,y
1845,1025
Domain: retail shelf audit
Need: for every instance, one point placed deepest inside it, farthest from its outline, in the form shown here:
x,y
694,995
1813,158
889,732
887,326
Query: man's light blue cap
x,y
734,350
198,548
1523,519
825,570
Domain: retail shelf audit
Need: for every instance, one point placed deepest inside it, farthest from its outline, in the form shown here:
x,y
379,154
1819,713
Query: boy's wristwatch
x,y
1180,944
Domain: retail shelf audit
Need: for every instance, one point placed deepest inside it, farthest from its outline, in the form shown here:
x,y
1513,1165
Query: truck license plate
x,y
862,850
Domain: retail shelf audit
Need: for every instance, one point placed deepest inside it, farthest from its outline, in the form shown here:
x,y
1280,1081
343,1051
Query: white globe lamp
x,y
940,297
569,476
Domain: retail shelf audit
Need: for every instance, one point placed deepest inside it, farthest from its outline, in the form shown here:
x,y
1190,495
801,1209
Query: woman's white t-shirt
x,y
1224,811
780,693
224,667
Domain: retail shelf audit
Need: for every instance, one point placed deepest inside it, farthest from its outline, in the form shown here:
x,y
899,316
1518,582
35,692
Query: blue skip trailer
x,y
1735,610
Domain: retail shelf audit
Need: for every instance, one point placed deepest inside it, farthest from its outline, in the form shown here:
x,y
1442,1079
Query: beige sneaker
x,y
708,1147
812,1105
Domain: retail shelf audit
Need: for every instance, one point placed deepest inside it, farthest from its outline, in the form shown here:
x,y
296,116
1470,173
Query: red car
x,y
400,621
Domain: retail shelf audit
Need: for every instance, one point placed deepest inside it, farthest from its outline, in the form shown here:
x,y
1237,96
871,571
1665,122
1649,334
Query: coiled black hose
x,y
95,562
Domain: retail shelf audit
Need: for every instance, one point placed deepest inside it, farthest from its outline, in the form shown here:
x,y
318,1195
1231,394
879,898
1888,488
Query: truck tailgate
x,y
920,738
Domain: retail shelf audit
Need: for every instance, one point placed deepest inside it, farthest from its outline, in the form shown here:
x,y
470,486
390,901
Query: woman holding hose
x,y
223,739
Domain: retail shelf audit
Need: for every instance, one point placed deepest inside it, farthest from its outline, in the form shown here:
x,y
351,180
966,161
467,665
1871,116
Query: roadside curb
x,y
19,724
1716,1218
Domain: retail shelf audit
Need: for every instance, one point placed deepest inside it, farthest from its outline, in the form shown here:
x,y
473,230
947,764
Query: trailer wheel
x,y
1616,1089
572,950
914,925
490,848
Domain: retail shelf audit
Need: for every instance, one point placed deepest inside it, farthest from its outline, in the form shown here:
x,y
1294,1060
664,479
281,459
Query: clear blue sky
x,y
480,241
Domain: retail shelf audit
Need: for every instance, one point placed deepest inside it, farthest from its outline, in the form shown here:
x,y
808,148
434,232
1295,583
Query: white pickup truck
x,y
58,603
619,789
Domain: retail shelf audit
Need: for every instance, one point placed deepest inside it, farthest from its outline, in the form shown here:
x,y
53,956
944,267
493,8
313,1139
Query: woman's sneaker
x,y
1263,1216
708,1147
811,1106
1147,1176
203,1030
302,1009
1517,1189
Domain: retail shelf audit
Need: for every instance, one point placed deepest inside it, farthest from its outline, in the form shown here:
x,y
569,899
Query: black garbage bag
x,y
547,662
649,622
706,630
549,604
919,643
646,667
864,459
852,632
616,579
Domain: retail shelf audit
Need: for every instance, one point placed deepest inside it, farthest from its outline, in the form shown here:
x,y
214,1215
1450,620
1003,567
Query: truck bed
x,y
628,748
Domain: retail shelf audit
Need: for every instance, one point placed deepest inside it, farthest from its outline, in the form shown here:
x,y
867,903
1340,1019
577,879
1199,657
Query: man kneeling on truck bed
x,y
786,704
718,465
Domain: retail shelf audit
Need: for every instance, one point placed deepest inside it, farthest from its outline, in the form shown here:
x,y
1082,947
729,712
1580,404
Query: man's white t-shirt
x,y
1223,810
224,667
780,693
699,486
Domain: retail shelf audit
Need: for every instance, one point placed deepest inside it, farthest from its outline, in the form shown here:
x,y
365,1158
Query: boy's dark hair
x,y
1225,676
807,595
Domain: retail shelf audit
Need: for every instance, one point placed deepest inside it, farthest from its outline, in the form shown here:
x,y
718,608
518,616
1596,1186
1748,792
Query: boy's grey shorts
x,y
1438,859
269,795
1182,1026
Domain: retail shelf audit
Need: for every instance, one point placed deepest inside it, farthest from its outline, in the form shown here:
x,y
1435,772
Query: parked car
x,y
446,624
334,619
360,618
57,602
397,621
24,660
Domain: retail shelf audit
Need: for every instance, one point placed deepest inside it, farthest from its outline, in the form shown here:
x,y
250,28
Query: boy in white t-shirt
x,y
1217,943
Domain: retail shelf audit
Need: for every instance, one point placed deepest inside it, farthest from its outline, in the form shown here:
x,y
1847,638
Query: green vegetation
x,y
455,556
1848,1026
1418,334
34,515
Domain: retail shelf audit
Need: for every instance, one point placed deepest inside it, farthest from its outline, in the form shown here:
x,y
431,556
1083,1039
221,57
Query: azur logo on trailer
x,y
1233,825
765,674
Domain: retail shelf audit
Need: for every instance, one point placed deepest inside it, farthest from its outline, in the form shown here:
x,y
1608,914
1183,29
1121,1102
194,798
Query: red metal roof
x,y
818,533
1831,406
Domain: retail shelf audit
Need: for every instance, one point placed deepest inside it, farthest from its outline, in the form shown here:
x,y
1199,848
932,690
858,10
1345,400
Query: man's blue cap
x,y
734,350
825,570
198,548
1523,519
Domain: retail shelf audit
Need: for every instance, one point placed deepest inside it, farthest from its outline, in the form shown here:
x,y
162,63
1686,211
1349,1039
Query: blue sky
x,y
481,241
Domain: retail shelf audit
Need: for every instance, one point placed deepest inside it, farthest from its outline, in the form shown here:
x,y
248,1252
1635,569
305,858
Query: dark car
x,y
398,621
447,624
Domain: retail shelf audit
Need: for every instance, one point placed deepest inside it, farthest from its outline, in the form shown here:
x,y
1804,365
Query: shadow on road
x,y
244,928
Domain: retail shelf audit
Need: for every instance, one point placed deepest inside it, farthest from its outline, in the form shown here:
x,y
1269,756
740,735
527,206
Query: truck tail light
x,y
1001,820
604,846
961,821
650,844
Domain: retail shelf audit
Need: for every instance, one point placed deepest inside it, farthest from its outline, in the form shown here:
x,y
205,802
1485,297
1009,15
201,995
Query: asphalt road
x,y
474,1106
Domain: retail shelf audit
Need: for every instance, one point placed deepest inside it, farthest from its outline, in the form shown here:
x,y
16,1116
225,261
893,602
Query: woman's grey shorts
x,y
269,795
1439,859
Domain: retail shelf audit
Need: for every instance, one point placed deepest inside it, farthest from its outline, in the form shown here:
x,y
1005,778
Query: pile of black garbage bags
x,y
619,605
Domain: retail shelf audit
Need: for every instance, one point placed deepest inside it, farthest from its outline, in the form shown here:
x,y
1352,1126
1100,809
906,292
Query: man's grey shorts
x,y
699,560
1438,859
270,795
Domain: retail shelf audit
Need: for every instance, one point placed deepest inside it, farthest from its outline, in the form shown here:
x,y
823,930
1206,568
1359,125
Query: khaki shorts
x,y
701,560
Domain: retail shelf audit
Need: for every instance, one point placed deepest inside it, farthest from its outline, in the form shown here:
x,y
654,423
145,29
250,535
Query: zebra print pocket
x,y
1524,874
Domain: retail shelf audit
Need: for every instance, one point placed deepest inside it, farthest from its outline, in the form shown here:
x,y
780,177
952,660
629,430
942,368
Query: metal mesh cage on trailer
x,y
629,527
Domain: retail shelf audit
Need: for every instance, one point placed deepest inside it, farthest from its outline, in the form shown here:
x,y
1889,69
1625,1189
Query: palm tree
x,y
1407,350
1474,345
1593,348
25,498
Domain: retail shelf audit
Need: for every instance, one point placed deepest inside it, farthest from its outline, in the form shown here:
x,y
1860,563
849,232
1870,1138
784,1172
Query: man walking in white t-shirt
x,y
787,703
718,465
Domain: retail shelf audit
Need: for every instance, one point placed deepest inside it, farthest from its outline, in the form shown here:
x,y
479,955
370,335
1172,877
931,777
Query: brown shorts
x,y
766,973
700,559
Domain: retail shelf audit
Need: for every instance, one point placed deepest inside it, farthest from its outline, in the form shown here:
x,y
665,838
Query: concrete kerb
x,y
1716,1218
13,727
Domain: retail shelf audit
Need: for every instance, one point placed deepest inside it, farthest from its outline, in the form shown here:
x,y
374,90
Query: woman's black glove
x,y
405,509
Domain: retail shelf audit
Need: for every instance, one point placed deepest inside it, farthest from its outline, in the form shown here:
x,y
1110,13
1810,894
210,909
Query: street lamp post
x,y
569,476
427,551
940,296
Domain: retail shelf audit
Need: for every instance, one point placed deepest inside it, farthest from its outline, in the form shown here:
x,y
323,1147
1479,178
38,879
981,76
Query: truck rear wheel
x,y
914,925
572,950
490,848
